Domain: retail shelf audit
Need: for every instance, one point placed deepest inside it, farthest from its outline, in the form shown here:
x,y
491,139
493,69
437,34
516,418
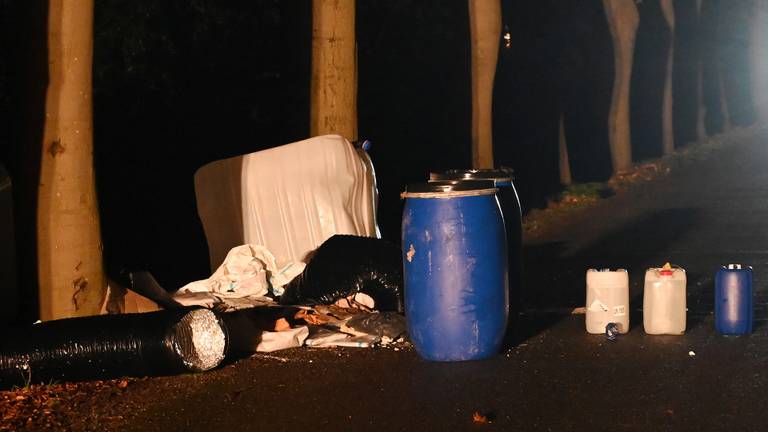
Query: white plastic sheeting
x,y
244,279
289,199
248,270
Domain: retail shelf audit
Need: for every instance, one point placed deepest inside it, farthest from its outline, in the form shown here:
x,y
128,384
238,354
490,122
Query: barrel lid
x,y
607,270
737,267
502,174
451,187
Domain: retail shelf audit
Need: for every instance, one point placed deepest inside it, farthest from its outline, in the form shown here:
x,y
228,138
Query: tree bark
x,y
667,128
70,268
333,99
759,60
485,30
701,109
623,20
724,109
565,165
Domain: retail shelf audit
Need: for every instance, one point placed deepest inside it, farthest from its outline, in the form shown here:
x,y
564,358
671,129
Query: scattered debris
x,y
334,326
691,354
480,418
270,357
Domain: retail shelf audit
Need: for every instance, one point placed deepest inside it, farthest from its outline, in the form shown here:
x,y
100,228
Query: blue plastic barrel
x,y
455,269
503,179
733,300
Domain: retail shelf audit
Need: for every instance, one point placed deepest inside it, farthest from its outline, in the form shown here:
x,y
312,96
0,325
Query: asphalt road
x,y
552,375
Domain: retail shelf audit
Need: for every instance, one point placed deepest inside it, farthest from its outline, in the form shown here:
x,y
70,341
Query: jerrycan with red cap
x,y
664,304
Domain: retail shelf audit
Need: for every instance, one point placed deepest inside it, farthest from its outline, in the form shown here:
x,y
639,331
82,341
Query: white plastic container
x,y
664,305
607,300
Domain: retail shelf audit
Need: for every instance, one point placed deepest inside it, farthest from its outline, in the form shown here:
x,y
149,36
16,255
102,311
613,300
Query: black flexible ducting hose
x,y
108,346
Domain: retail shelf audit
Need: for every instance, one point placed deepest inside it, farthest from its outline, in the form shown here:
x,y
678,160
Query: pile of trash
x,y
348,295
277,289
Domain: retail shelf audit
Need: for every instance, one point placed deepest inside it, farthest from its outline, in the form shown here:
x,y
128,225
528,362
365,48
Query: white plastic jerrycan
x,y
607,300
664,307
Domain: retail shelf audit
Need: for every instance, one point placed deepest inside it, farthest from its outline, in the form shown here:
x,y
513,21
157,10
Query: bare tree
x,y
623,20
485,30
565,165
701,109
70,267
725,110
759,60
667,128
333,99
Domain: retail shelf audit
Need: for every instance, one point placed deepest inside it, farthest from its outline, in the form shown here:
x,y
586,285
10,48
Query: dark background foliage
x,y
179,83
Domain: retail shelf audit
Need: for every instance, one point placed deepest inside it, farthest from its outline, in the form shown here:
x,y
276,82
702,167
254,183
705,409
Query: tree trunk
x,y
623,20
485,30
565,165
724,110
701,109
70,267
667,128
333,99
759,61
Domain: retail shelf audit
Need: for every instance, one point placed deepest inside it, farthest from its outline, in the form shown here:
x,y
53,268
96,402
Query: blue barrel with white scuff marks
x,y
455,270
733,300
503,179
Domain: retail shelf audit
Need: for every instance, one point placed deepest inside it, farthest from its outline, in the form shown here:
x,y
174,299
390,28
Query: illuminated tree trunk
x,y
333,99
724,109
623,20
565,165
70,268
701,110
759,61
667,128
485,30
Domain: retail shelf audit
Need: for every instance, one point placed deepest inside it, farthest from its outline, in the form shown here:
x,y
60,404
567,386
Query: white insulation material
x,y
201,340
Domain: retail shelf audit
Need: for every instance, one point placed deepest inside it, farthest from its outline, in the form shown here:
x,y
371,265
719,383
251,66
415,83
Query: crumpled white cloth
x,y
249,271
279,340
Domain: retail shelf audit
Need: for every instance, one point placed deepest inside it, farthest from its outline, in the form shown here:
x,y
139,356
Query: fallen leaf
x,y
479,418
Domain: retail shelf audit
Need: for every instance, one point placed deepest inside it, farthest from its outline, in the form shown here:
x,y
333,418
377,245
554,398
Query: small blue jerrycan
x,y
733,300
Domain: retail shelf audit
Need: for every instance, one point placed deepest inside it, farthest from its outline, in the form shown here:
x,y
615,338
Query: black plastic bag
x,y
344,265
381,324
108,346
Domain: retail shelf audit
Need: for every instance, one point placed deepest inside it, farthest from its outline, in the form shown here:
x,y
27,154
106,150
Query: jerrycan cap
x,y
666,270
